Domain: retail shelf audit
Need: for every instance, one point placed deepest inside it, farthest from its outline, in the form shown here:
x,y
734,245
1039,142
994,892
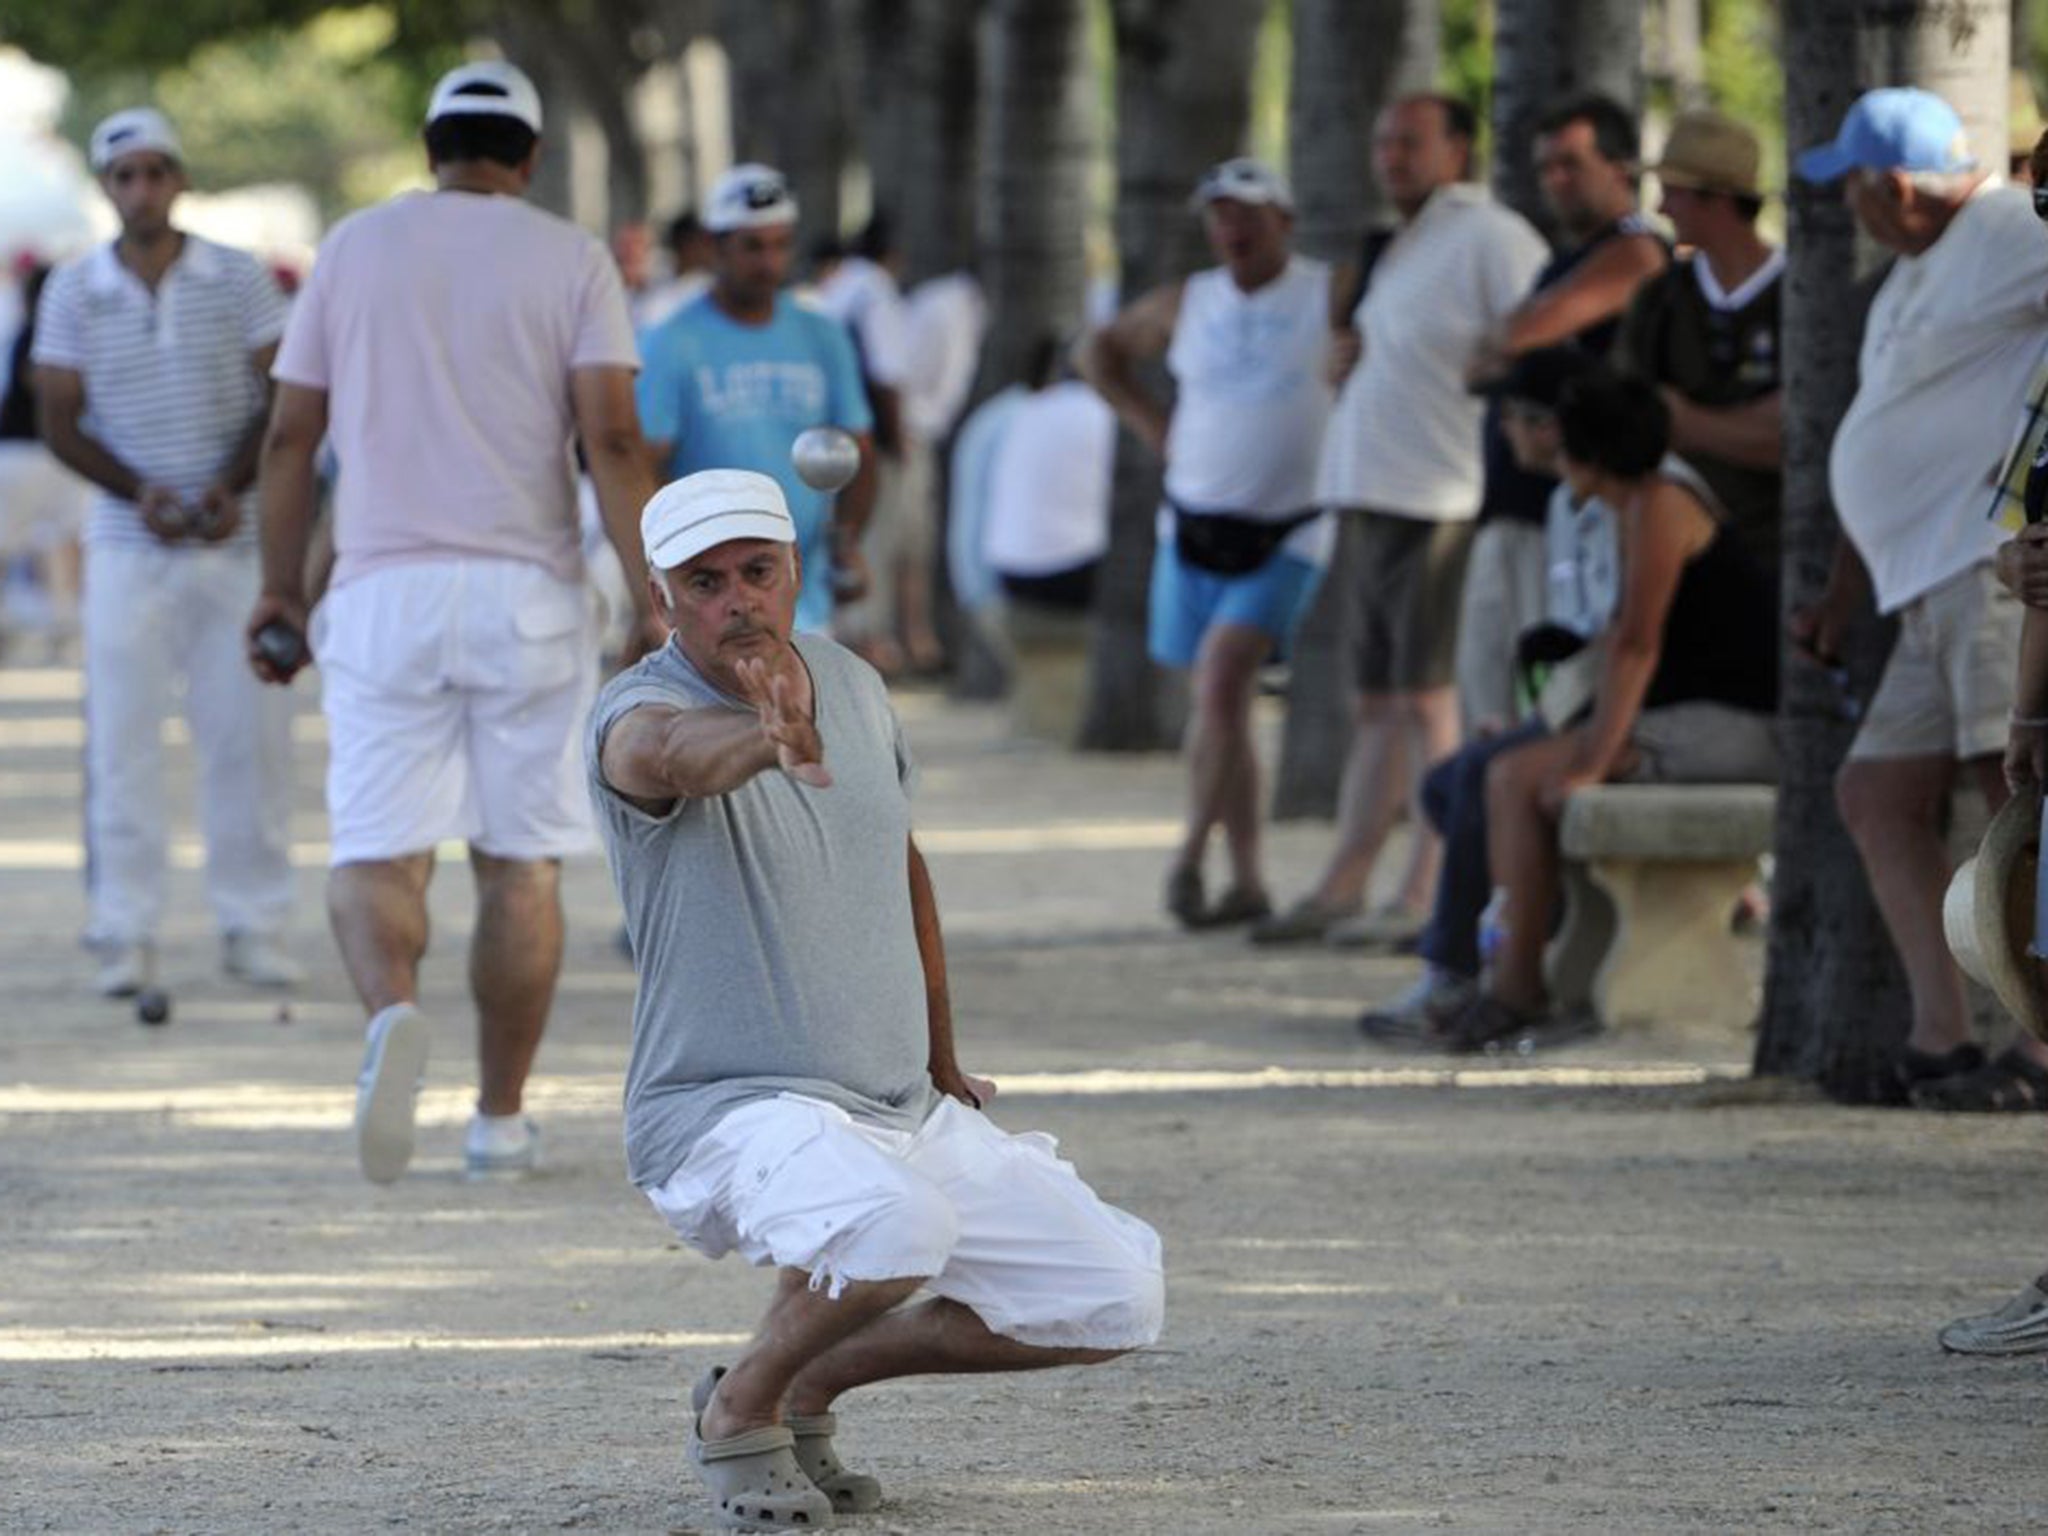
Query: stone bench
x,y
1652,873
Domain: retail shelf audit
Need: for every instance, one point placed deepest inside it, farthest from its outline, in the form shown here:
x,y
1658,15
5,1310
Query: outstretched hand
x,y
799,751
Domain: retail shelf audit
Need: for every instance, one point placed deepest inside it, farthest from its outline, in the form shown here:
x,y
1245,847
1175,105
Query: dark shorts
x,y
1403,577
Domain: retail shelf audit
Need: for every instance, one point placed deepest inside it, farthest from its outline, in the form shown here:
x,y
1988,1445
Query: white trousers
x,y
156,618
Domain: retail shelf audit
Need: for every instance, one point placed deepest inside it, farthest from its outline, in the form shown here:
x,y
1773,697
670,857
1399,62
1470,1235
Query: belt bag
x,y
1225,544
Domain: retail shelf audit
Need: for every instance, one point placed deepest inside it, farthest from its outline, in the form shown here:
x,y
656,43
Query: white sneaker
x,y
388,1090
259,960
500,1147
125,970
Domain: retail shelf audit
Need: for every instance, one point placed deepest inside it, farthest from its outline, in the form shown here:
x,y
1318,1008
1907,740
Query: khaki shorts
x,y
1701,742
1403,576
1948,687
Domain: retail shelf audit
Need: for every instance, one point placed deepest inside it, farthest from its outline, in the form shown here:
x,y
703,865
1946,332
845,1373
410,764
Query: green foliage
x,y
326,105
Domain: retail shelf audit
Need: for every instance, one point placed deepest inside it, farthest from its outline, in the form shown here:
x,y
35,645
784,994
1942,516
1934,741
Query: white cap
x,y
1244,180
749,196
709,508
125,133
488,88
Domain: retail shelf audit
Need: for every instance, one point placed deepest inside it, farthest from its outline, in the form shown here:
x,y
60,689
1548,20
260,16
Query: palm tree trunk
x,y
918,102
786,106
1834,998
1343,74
1546,49
1034,193
1183,94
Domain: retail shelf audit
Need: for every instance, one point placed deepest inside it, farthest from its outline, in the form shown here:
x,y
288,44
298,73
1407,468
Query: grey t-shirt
x,y
771,926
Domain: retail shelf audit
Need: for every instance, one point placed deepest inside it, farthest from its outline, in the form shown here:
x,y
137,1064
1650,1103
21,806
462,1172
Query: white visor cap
x,y
709,508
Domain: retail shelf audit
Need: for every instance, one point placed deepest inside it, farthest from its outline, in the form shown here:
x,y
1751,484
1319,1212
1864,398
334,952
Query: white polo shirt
x,y
170,387
1404,437
1954,335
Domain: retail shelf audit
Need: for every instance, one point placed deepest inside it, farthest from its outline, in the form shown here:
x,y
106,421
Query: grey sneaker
x,y
494,1150
1386,927
2020,1327
1413,1017
1303,923
387,1092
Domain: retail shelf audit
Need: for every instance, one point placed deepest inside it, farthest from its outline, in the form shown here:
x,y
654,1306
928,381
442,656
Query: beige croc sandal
x,y
754,1478
851,1493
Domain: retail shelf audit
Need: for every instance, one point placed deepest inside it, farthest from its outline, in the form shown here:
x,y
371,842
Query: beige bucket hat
x,y
1988,914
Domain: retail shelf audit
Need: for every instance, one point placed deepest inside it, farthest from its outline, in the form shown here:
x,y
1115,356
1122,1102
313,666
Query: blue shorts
x,y
1188,602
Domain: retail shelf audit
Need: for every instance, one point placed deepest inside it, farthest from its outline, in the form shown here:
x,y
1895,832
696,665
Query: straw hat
x,y
1988,914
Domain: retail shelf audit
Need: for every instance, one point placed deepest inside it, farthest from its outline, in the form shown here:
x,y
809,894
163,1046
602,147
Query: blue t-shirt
x,y
733,396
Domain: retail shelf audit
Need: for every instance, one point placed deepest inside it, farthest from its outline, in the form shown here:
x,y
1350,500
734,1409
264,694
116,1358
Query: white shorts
x,y
456,693
999,1222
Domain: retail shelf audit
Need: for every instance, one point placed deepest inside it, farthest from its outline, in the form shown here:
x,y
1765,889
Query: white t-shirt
x,y
864,298
444,327
1405,434
1048,497
1952,339
947,317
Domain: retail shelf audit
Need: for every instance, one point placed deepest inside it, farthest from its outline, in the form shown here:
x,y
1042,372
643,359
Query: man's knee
x,y
1874,797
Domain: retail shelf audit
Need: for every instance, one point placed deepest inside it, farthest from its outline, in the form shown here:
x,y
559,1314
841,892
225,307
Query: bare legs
x,y
378,910
1894,809
809,1350
1223,764
1398,736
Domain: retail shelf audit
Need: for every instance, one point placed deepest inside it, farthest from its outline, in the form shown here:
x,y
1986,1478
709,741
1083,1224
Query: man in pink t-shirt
x,y
451,344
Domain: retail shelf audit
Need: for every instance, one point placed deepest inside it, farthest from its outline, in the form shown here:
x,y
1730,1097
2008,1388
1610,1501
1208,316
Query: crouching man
x,y
793,1092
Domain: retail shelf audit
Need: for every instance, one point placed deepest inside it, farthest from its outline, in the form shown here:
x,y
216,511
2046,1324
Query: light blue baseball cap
x,y
1897,128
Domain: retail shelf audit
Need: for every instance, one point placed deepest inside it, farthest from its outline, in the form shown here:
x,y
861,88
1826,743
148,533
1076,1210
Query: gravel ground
x,y
1612,1290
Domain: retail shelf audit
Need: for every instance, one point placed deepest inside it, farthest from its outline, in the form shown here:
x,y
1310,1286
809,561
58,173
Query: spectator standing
x,y
1046,528
150,358
736,375
453,342
689,276
1401,459
1586,163
1241,540
1952,337
1705,330
42,504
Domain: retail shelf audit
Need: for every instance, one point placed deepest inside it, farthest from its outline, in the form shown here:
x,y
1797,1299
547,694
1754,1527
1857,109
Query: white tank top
x,y
1252,371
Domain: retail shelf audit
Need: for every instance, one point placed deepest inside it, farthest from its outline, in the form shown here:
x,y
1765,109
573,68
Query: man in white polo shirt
x,y
1401,459
1242,541
453,342
1953,336
151,354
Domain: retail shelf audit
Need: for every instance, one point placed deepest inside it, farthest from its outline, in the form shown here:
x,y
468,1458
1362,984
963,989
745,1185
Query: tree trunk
x,y
918,107
1835,1002
786,108
1343,75
1183,95
1034,193
1547,49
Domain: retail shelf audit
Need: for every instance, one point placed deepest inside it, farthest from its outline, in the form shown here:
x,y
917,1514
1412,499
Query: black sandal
x,y
1913,1068
1485,1021
2008,1084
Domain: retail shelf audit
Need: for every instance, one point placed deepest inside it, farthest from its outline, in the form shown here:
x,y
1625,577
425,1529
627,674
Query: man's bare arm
x,y
289,501
1751,434
608,423
942,1059
655,755
1105,358
1598,289
60,414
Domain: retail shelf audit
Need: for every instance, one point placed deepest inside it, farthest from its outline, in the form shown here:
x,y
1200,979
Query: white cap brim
x,y
670,548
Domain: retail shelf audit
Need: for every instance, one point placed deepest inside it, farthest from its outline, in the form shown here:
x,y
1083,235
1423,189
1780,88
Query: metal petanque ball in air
x,y
826,458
